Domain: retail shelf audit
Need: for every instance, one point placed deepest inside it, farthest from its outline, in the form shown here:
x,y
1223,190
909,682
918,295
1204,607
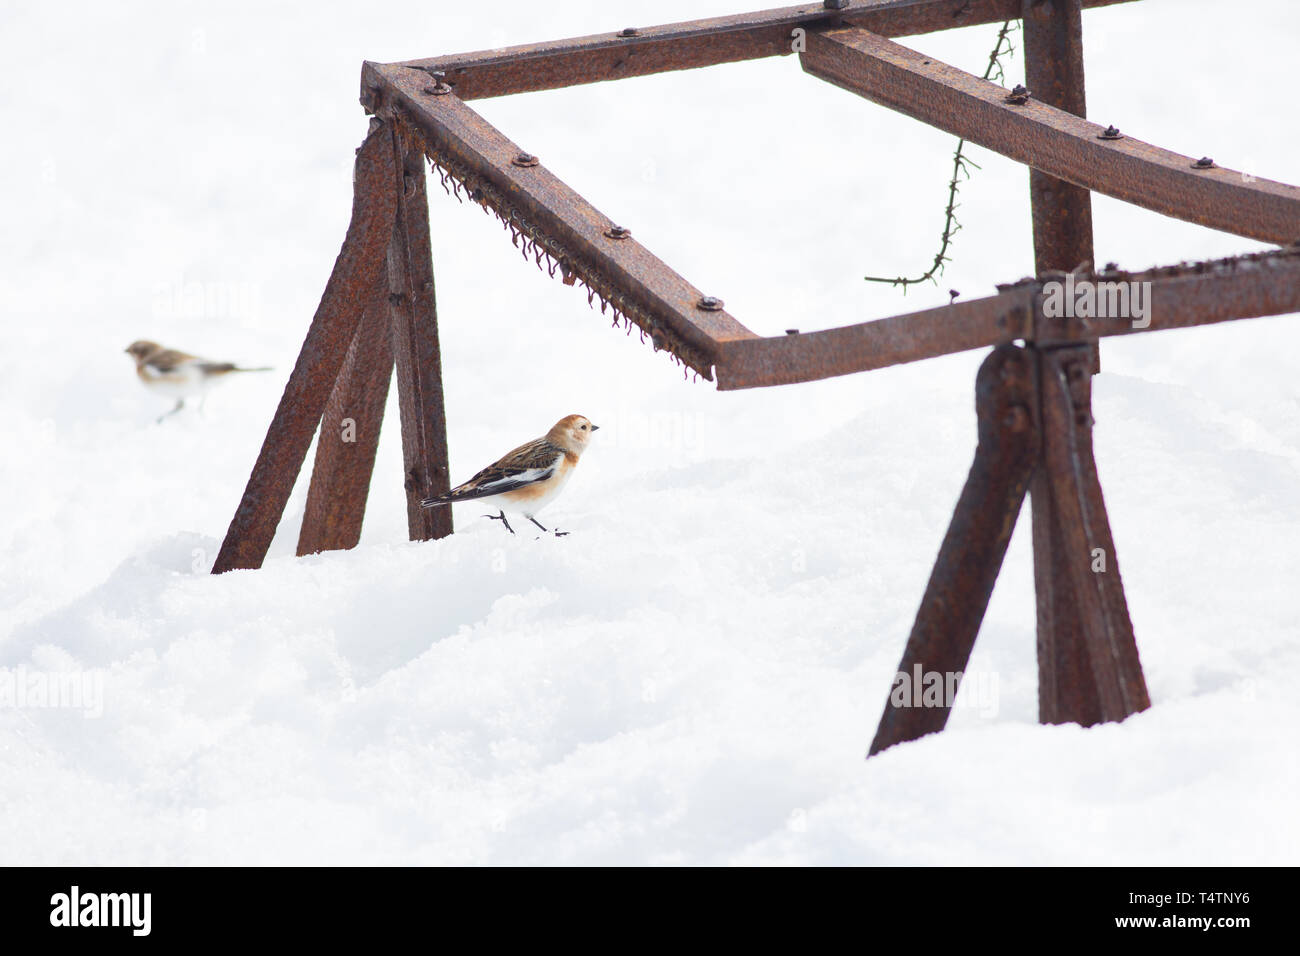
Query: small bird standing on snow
x,y
529,478
176,374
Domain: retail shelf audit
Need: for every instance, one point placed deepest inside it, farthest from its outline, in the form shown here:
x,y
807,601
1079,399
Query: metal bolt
x,y
1111,132
441,89
1019,95
525,159
1203,163
836,4
791,331
618,232
629,32
710,303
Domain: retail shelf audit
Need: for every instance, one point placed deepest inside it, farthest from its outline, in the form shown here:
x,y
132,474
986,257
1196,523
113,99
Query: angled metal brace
x,y
357,282
1088,664
414,318
971,555
349,439
1035,423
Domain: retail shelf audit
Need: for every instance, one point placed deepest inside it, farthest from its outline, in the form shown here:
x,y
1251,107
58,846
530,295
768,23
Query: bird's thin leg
x,y
180,403
502,518
558,534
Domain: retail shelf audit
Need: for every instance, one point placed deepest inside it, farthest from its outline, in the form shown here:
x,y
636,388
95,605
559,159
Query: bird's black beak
x,y
595,428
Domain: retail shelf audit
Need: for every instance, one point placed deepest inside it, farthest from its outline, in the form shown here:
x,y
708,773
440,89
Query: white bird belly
x,y
529,501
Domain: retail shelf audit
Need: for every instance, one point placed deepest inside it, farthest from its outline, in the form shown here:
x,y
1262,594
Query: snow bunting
x,y
529,478
176,374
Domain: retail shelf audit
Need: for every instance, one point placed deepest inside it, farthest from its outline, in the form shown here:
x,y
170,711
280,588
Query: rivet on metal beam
x,y
1203,163
1110,132
836,4
791,331
525,159
629,32
439,87
710,303
618,232
1019,95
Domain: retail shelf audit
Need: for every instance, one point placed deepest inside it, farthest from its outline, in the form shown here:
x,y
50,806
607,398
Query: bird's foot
x,y
502,518
558,534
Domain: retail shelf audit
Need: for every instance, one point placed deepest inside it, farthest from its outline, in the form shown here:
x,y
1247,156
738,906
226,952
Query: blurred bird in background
x,y
529,478
178,375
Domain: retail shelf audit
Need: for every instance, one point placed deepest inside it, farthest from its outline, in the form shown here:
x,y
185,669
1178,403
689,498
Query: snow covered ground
x,y
692,676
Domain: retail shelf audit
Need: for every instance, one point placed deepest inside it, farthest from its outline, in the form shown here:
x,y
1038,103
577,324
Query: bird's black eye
x,y
584,428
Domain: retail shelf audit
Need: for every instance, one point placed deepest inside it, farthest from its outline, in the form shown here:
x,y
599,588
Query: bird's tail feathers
x,y
458,494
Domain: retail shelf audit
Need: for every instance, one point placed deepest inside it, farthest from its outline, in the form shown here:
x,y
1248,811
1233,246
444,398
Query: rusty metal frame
x,y
1033,393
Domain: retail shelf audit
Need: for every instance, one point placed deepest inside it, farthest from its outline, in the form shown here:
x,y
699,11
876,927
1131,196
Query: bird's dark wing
x,y
168,360
526,465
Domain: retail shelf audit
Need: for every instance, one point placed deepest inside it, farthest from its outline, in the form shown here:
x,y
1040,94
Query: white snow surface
x,y
694,674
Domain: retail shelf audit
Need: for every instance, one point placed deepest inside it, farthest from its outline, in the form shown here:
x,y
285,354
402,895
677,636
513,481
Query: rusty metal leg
x,y
414,319
972,551
1066,690
357,280
1062,212
349,439
1089,669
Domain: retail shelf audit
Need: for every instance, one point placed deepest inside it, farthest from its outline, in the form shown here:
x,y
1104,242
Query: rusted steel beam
x,y
971,555
414,322
807,357
1181,296
357,281
558,223
349,439
1052,140
695,43
1061,211
1067,692
1085,551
